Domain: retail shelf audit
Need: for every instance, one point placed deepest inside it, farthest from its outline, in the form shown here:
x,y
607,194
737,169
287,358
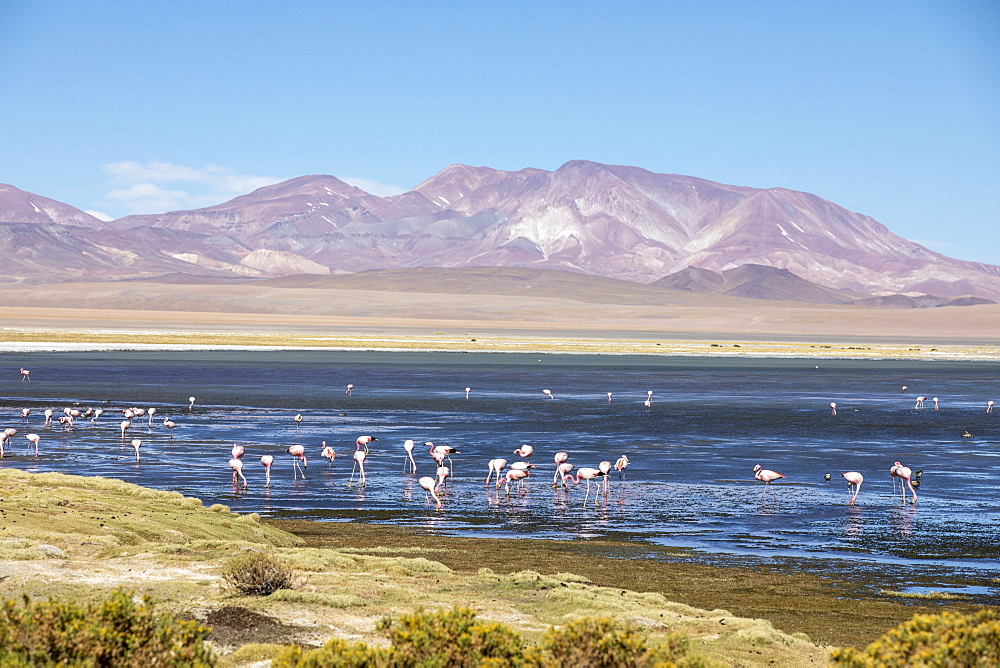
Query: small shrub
x,y
116,632
335,653
450,638
946,639
257,574
596,642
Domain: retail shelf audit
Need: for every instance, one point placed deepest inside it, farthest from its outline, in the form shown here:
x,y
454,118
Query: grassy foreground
x,y
74,537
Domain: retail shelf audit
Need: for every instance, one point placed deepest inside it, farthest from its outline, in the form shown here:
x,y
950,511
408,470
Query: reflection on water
x,y
690,483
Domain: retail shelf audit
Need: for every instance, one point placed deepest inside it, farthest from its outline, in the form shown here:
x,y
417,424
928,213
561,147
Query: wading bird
x,y
766,476
33,438
25,375
854,480
408,446
428,483
328,452
298,453
359,462
267,460
903,473
237,466
497,465
588,474
559,458
136,444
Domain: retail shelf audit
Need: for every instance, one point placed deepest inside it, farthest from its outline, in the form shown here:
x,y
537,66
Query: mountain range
x,y
671,231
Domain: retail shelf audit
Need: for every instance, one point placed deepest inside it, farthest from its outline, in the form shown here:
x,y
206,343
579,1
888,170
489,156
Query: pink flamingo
x,y
237,466
920,402
989,406
363,441
903,473
620,465
524,451
605,468
350,386
467,390
428,483
25,375
238,451
136,443
564,470
609,397
328,452
548,393
150,414
766,476
267,460
441,452
521,466
67,420
559,458
298,421
442,475
190,403
169,424
935,400
25,412
298,453
408,445
48,417
588,474
359,462
497,465
97,413
648,403
514,475
33,438
125,425
854,480
833,408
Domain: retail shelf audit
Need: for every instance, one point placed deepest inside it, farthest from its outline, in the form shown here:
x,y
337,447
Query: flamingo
x,y
25,412
408,445
298,453
833,408
238,451
68,421
363,441
989,406
620,465
588,474
609,397
467,390
33,438
920,402
328,452
25,375
190,403
514,475
497,465
524,451
169,424
766,476
150,414
359,462
559,458
935,400
267,460
237,466
136,443
854,480
564,470
548,393
605,468
648,403
97,413
298,421
522,466
428,483
125,425
350,386
442,474
441,452
48,417
903,473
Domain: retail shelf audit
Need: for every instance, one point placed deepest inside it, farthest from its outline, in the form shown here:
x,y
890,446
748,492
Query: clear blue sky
x,y
891,109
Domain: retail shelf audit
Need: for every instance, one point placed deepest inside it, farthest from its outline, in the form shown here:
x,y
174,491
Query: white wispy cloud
x,y
156,187
99,215
372,187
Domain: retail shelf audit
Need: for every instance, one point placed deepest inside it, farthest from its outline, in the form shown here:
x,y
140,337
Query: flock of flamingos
x,y
516,472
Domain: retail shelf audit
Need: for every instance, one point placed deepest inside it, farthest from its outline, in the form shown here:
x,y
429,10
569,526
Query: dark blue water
x,y
690,483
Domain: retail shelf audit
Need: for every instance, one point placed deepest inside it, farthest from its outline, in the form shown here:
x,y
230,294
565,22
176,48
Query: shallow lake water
x,y
689,485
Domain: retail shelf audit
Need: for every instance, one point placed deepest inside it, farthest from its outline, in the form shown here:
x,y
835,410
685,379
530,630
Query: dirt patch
x,y
233,626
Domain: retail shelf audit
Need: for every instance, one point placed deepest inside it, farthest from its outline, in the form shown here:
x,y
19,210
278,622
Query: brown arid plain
x,y
72,536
